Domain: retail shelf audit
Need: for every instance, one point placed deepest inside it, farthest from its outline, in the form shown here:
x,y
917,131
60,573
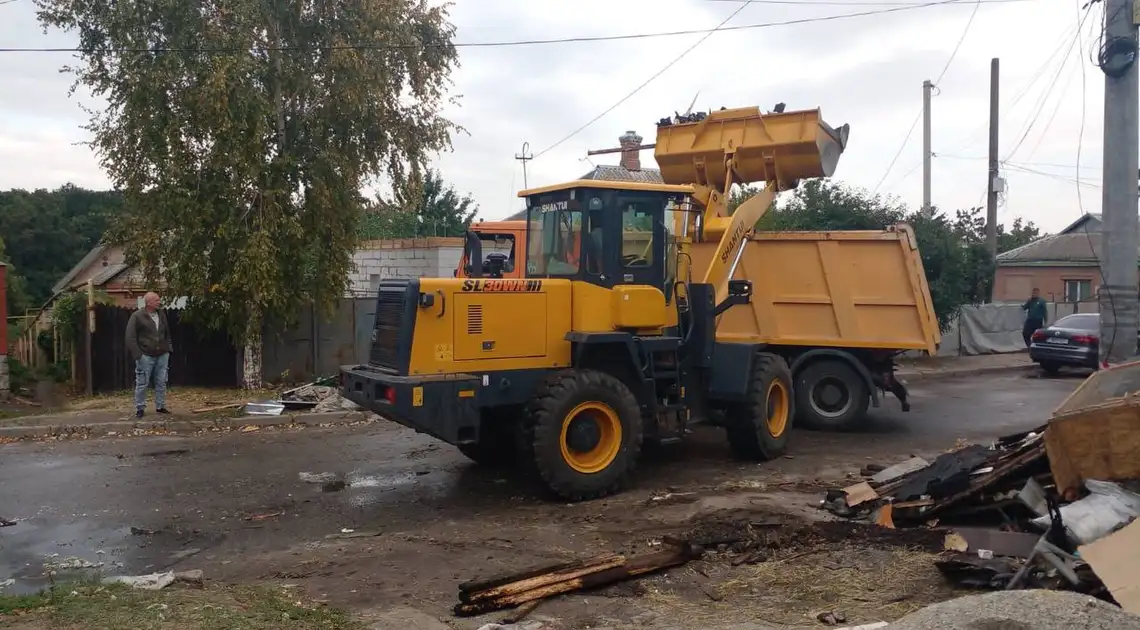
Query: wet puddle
x,y
34,554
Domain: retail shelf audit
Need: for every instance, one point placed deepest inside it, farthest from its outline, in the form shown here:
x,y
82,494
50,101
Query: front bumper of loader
x,y
444,407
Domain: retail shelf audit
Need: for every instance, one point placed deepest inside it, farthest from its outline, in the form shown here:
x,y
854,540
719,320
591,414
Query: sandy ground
x,y
424,519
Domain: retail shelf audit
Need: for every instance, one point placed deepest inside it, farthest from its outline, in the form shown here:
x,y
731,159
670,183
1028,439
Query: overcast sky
x,y
866,71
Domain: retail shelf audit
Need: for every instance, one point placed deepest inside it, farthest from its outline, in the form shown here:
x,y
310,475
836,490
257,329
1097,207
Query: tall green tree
x,y
241,133
424,206
46,232
959,269
15,286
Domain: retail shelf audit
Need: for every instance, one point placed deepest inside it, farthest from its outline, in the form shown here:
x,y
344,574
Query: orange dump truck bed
x,y
856,289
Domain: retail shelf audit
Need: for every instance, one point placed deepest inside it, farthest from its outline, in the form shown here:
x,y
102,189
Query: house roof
x,y
1082,223
109,273
610,173
84,263
620,174
1071,249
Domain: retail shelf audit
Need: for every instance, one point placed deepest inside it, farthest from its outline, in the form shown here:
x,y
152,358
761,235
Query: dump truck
x,y
644,308
497,245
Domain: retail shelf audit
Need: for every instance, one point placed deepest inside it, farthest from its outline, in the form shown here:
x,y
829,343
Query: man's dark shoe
x,y
162,410
139,412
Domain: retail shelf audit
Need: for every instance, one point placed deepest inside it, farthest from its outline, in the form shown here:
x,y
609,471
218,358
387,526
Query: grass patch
x,y
115,607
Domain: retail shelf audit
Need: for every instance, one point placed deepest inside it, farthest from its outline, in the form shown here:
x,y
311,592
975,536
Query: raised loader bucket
x,y
784,147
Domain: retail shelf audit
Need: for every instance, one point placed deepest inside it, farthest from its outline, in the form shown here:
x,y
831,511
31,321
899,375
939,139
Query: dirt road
x,y
237,506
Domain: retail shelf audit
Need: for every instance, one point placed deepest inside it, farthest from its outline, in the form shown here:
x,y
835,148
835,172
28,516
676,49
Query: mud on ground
x,y
764,563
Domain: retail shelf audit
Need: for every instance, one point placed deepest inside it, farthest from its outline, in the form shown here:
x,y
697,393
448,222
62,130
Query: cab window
x,y
637,234
554,245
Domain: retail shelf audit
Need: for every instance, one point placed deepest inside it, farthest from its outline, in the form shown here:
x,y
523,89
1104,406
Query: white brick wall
x,y
404,258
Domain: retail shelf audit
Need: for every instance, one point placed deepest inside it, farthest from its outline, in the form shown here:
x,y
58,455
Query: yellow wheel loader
x,y
638,314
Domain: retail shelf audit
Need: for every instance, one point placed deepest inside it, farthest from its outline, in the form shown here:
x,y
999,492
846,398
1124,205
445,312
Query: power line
x,y
1048,90
643,84
721,27
1007,109
526,42
910,131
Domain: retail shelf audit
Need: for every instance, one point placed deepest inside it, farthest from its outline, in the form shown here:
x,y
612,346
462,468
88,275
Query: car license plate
x,y
1058,340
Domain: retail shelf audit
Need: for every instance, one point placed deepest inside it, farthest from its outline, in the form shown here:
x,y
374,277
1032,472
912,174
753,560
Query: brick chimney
x,y
631,151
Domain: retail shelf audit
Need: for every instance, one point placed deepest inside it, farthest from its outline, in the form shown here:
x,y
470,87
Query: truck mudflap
x,y
442,406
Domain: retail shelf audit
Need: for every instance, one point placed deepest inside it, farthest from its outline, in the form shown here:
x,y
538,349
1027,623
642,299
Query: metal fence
x,y
996,328
317,346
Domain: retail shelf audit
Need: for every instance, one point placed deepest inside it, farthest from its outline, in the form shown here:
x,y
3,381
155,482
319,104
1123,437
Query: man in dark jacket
x,y
1035,313
148,339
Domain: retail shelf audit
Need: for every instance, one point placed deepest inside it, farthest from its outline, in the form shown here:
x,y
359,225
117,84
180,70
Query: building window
x,y
1078,290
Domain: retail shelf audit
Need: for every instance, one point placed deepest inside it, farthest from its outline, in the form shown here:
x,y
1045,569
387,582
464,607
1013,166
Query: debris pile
x,y
318,396
1051,508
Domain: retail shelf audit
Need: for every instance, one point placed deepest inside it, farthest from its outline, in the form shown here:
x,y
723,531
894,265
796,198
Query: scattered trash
x,y
325,477
1107,508
69,564
509,591
139,531
265,408
217,408
6,583
353,534
831,618
6,523
262,517
149,582
185,553
250,428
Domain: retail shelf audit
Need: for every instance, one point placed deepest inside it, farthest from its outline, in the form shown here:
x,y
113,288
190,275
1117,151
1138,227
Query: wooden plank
x,y
631,568
516,576
540,581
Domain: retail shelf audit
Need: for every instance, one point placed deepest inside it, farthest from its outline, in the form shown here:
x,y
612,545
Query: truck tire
x,y
758,429
582,434
831,394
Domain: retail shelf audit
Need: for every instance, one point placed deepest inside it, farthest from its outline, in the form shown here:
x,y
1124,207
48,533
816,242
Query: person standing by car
x,y
1035,313
148,339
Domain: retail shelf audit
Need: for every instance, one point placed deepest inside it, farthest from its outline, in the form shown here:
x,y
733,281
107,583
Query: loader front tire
x,y
582,434
758,428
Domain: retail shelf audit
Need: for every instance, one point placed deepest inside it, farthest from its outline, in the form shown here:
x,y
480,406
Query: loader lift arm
x,y
743,146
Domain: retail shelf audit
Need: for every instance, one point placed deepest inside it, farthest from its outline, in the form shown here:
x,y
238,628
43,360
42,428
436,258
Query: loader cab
x,y
605,233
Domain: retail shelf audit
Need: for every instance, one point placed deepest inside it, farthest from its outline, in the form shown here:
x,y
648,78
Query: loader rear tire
x,y
831,395
582,435
758,428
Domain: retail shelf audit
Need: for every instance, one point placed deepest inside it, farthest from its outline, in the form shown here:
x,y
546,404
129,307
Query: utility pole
x,y
927,87
524,157
1118,296
992,179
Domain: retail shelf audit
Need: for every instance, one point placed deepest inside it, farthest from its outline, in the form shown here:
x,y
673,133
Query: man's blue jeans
x,y
146,368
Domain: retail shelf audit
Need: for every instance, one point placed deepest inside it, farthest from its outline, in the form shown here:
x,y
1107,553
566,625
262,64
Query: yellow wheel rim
x,y
778,407
591,437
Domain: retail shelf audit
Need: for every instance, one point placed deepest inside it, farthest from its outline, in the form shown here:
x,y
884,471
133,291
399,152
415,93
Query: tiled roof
x,y
619,174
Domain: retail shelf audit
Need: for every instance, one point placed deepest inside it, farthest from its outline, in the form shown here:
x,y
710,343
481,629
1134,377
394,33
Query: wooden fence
x,y
200,358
